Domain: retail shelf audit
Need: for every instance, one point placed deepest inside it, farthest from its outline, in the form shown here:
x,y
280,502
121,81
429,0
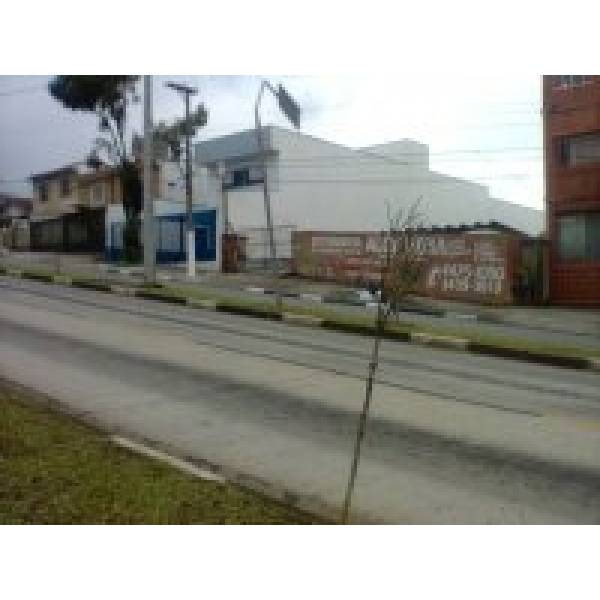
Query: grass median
x,y
56,470
335,319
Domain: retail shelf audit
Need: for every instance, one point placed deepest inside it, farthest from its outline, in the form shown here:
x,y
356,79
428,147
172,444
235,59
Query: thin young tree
x,y
400,271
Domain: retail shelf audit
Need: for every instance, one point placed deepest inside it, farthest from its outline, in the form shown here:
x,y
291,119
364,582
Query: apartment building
x,y
571,108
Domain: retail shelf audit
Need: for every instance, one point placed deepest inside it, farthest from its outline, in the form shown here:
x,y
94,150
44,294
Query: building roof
x,y
54,174
10,199
490,226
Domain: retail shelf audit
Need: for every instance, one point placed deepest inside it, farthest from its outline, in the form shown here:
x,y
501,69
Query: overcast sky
x,y
483,128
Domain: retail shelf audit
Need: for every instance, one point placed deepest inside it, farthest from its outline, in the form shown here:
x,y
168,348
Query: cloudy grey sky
x,y
484,128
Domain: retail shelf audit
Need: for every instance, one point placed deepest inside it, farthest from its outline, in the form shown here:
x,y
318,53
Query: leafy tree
x,y
108,96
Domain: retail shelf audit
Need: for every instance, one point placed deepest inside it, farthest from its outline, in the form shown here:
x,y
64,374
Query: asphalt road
x,y
453,438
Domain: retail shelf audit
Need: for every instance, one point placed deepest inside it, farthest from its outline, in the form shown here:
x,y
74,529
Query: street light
x,y
291,110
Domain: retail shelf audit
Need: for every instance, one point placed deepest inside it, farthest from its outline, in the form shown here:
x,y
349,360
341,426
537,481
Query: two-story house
x,y
54,192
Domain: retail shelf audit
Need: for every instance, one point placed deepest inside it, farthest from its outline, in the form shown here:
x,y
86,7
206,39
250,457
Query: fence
x,y
78,232
15,236
471,266
258,250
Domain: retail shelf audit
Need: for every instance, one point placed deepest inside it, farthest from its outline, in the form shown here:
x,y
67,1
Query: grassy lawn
x,y
54,469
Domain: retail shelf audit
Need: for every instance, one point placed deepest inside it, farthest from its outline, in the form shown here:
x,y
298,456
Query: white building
x,y
320,185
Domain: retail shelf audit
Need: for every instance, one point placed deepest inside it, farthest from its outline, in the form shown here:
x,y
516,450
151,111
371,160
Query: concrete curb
x,y
173,461
440,341
204,303
299,319
91,285
122,290
594,364
62,279
421,338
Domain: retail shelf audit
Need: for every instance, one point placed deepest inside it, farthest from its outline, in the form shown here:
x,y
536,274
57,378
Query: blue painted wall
x,y
170,237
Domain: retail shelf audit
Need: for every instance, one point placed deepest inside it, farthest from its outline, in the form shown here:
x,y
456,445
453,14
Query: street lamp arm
x,y
264,84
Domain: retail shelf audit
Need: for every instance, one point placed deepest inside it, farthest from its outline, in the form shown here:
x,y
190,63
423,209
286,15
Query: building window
x,y
580,149
44,192
97,193
579,237
65,187
564,81
241,177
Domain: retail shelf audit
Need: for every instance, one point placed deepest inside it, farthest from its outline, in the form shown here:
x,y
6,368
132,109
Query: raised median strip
x,y
300,319
123,290
62,279
576,359
205,303
439,341
571,362
91,284
594,363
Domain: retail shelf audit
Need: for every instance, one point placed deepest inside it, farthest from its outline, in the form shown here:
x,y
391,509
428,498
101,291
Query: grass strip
x,y
56,470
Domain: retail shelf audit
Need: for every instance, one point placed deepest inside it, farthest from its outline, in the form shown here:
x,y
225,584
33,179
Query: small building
x,y
14,221
77,209
13,208
572,185
170,227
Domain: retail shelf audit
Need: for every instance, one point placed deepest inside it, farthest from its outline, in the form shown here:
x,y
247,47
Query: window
x,y
579,237
43,191
65,187
580,149
97,193
241,177
571,80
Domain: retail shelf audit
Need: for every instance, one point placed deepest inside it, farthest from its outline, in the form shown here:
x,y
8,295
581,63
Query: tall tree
x,y
107,96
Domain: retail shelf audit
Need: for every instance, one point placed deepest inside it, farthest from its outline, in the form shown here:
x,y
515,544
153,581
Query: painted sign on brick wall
x,y
470,266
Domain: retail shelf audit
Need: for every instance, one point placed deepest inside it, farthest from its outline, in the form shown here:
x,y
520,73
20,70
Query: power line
x,y
442,179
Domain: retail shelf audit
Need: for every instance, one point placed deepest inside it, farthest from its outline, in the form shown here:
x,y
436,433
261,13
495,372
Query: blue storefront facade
x,y
170,236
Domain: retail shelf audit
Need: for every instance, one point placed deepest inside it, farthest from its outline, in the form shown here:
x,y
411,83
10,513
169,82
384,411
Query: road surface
x,y
452,438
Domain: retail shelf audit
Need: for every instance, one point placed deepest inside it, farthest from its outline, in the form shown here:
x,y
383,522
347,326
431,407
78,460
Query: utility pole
x,y
149,249
223,216
292,111
188,91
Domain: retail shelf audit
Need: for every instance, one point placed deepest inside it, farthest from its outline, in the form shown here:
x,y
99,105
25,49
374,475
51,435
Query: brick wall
x,y
464,266
570,111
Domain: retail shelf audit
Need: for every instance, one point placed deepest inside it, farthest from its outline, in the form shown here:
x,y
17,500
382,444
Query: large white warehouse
x,y
320,185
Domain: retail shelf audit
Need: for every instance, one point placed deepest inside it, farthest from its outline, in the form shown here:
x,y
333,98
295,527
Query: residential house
x,y
55,192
